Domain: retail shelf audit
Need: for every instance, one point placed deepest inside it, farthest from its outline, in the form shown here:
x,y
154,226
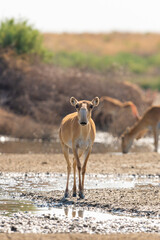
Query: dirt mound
x,y
23,127
42,91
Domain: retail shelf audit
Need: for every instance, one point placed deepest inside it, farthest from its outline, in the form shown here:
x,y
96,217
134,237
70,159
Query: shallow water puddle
x,y
37,182
9,206
72,212
71,220
13,184
96,216
39,216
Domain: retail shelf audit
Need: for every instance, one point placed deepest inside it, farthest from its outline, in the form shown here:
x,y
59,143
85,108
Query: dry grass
x,y
104,44
137,54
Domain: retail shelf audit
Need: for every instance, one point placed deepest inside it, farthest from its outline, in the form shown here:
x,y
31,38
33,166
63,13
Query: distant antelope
x,y
111,106
77,131
150,118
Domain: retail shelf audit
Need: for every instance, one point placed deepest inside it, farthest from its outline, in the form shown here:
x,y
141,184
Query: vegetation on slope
x,y
22,38
38,93
42,91
137,54
132,62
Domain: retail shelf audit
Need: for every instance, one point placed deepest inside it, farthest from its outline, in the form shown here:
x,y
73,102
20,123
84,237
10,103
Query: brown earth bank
x,y
41,92
132,163
25,127
139,236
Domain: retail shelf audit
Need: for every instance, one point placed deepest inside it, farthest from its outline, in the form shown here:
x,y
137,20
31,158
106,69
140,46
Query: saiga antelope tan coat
x,y
77,131
151,118
112,106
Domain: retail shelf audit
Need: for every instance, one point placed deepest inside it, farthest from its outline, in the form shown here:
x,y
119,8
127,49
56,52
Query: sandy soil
x,y
133,163
138,236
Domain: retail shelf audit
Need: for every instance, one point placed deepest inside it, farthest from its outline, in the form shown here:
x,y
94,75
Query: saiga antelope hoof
x,y
81,195
66,195
74,194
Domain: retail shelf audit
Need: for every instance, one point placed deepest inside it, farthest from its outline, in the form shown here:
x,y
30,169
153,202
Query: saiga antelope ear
x,y
95,101
73,101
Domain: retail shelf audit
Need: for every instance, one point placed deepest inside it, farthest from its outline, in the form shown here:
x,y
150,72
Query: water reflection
x,y
73,212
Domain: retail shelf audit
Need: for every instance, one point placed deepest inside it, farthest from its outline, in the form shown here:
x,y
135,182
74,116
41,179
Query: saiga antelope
x,y
77,131
112,106
150,118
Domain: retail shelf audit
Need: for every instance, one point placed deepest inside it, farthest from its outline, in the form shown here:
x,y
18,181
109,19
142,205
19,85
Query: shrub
x,y
22,37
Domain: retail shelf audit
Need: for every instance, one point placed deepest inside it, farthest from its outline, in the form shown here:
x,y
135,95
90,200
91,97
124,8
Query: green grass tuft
x,y
148,83
23,38
134,63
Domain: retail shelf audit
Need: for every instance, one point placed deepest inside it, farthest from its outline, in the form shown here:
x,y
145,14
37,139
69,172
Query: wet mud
x,y
122,195
35,206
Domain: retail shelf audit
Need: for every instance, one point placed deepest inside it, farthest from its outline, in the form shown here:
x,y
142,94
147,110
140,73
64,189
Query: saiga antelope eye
x,y
77,105
91,106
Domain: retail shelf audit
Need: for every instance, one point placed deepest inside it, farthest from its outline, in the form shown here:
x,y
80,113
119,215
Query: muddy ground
x,y
132,163
140,201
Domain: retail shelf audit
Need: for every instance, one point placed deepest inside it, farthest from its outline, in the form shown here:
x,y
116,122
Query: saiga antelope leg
x,y
66,155
74,172
87,153
79,170
155,134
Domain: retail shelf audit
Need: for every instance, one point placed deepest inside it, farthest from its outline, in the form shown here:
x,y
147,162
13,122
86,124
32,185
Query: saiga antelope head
x,y
126,141
84,109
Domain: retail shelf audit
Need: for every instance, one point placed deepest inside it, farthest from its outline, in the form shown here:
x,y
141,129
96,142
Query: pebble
x,y
30,223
